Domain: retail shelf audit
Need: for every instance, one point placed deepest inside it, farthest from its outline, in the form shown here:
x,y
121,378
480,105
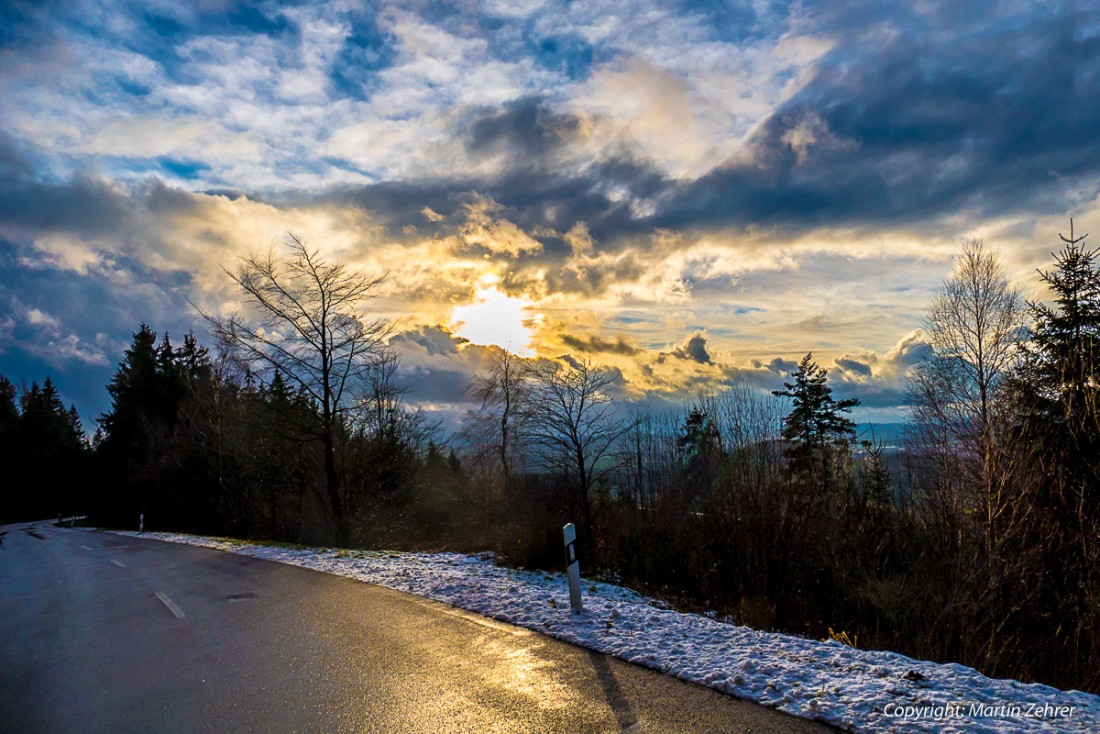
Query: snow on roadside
x,y
854,689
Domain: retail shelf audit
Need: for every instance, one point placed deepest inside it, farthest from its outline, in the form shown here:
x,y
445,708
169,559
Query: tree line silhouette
x,y
977,541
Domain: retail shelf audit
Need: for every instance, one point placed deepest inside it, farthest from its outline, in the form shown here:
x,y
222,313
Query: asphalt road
x,y
104,633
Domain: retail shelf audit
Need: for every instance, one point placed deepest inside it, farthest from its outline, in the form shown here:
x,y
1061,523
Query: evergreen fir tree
x,y
48,453
816,431
1060,382
1064,354
9,410
134,391
131,430
11,492
700,444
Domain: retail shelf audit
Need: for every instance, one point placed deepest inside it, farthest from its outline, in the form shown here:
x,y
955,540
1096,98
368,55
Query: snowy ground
x,y
856,690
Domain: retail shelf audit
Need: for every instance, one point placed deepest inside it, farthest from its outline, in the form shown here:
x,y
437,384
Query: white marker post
x,y
572,567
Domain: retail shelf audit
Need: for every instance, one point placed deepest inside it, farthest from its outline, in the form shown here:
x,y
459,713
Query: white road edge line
x,y
171,605
120,564
476,619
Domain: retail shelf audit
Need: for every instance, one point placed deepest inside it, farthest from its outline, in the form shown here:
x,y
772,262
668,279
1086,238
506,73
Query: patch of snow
x,y
858,690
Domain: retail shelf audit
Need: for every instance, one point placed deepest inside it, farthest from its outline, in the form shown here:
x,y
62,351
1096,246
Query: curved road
x,y
104,633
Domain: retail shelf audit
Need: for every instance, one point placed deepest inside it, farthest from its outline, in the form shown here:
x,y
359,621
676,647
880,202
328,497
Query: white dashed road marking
x,y
171,605
120,564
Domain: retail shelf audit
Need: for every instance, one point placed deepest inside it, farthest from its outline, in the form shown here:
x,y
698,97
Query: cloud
x,y
879,380
485,228
853,366
527,128
777,366
796,116
595,344
40,318
694,348
34,332
769,178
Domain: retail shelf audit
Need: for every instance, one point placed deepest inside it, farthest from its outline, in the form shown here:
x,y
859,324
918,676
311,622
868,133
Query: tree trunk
x,y
332,487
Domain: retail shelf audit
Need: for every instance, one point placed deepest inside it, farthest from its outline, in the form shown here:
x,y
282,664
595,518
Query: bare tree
x,y
306,324
574,424
504,393
975,324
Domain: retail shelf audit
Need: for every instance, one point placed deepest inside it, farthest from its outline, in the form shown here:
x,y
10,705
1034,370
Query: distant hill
x,y
890,434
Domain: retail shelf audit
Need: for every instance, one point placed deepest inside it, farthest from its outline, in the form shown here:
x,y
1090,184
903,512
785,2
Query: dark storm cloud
x,y
937,114
854,366
431,340
81,204
527,128
596,344
15,166
778,366
84,206
940,113
539,185
693,349
559,200
873,395
437,385
36,204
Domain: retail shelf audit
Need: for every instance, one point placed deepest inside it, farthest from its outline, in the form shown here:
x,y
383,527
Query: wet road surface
x,y
105,633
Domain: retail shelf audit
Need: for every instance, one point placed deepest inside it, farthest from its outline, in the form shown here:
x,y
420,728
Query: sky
x,y
694,194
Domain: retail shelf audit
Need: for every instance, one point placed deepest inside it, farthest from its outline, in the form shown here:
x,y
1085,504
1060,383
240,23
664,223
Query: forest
x,y
975,541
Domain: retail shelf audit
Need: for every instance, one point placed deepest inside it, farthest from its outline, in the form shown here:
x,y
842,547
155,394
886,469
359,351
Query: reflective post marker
x,y
572,567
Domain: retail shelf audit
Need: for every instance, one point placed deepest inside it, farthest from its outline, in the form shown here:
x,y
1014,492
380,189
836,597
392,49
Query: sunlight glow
x,y
495,318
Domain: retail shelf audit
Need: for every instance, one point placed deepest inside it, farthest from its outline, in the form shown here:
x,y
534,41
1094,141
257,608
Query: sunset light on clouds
x,y
695,194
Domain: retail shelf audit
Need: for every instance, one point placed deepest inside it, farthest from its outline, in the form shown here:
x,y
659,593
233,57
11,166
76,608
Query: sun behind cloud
x,y
495,318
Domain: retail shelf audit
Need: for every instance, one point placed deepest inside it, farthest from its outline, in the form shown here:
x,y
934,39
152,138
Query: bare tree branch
x,y
306,323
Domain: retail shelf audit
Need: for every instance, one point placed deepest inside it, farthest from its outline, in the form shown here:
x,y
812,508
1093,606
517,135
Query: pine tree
x,y
700,436
49,455
1060,380
1058,425
134,391
10,493
816,431
701,451
133,427
159,449
49,430
877,484
1064,353
9,410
